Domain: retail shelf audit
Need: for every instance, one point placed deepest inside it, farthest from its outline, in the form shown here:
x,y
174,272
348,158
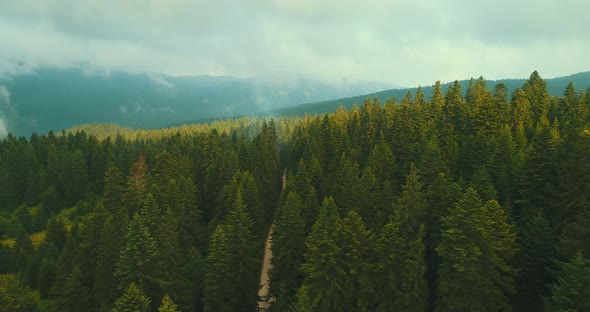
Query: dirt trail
x,y
264,277
267,265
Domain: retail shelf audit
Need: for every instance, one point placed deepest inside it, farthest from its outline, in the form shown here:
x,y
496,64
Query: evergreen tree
x,y
322,272
133,300
357,244
231,280
140,259
74,296
469,277
134,195
390,251
105,284
536,240
167,305
571,291
414,285
538,96
288,244
113,189
410,207
189,289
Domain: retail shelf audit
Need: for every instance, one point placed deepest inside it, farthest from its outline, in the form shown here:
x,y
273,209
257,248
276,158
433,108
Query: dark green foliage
x,y
357,285
536,240
140,261
323,274
396,231
390,251
74,296
411,206
475,248
571,291
189,288
230,282
288,245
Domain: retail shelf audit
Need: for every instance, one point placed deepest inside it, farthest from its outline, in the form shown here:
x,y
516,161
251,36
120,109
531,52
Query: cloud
x,y
4,109
403,42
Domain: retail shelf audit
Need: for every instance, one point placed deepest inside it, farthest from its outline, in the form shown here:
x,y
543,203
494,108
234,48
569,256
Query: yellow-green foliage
x,y
38,238
249,126
34,211
9,242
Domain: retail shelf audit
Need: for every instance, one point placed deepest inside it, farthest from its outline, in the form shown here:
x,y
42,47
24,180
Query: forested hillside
x,y
555,87
466,200
53,99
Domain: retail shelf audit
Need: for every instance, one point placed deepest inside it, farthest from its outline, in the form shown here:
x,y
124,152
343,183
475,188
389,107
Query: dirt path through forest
x,y
264,277
263,290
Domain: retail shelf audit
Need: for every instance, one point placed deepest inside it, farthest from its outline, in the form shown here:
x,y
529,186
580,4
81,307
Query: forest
x,y
470,199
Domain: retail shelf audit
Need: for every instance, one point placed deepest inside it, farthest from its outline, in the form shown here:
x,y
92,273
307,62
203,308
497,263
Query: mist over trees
x,y
470,199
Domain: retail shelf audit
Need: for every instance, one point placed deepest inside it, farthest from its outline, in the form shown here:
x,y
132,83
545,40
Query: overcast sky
x,y
402,42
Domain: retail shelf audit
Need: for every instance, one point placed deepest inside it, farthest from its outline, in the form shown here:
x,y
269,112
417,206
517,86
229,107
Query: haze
x,y
401,42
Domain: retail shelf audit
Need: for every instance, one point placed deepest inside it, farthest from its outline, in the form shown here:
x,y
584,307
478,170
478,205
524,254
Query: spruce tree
x,y
323,274
357,245
536,241
167,305
231,280
140,259
411,206
388,269
288,244
469,278
571,291
132,300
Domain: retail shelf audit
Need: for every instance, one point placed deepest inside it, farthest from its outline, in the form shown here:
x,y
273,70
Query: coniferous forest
x,y
470,200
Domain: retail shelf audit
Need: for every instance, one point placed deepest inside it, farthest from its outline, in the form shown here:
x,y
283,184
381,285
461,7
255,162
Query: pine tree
x,y
133,300
389,250
74,296
303,302
77,186
288,244
150,212
357,244
167,305
231,280
170,251
218,294
322,272
189,289
571,291
536,240
410,207
140,259
469,276
113,189
538,96
135,192
414,292
105,284
401,271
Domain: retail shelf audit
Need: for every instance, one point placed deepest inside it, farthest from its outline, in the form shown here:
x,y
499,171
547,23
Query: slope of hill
x,y
555,86
54,99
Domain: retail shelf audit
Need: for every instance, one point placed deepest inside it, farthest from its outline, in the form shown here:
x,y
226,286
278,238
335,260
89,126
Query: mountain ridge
x,y
556,86
54,99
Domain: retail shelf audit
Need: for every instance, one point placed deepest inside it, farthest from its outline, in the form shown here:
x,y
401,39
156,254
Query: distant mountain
x,y
54,99
555,86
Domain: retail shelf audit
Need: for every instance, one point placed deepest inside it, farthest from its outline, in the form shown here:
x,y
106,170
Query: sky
x,y
407,43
